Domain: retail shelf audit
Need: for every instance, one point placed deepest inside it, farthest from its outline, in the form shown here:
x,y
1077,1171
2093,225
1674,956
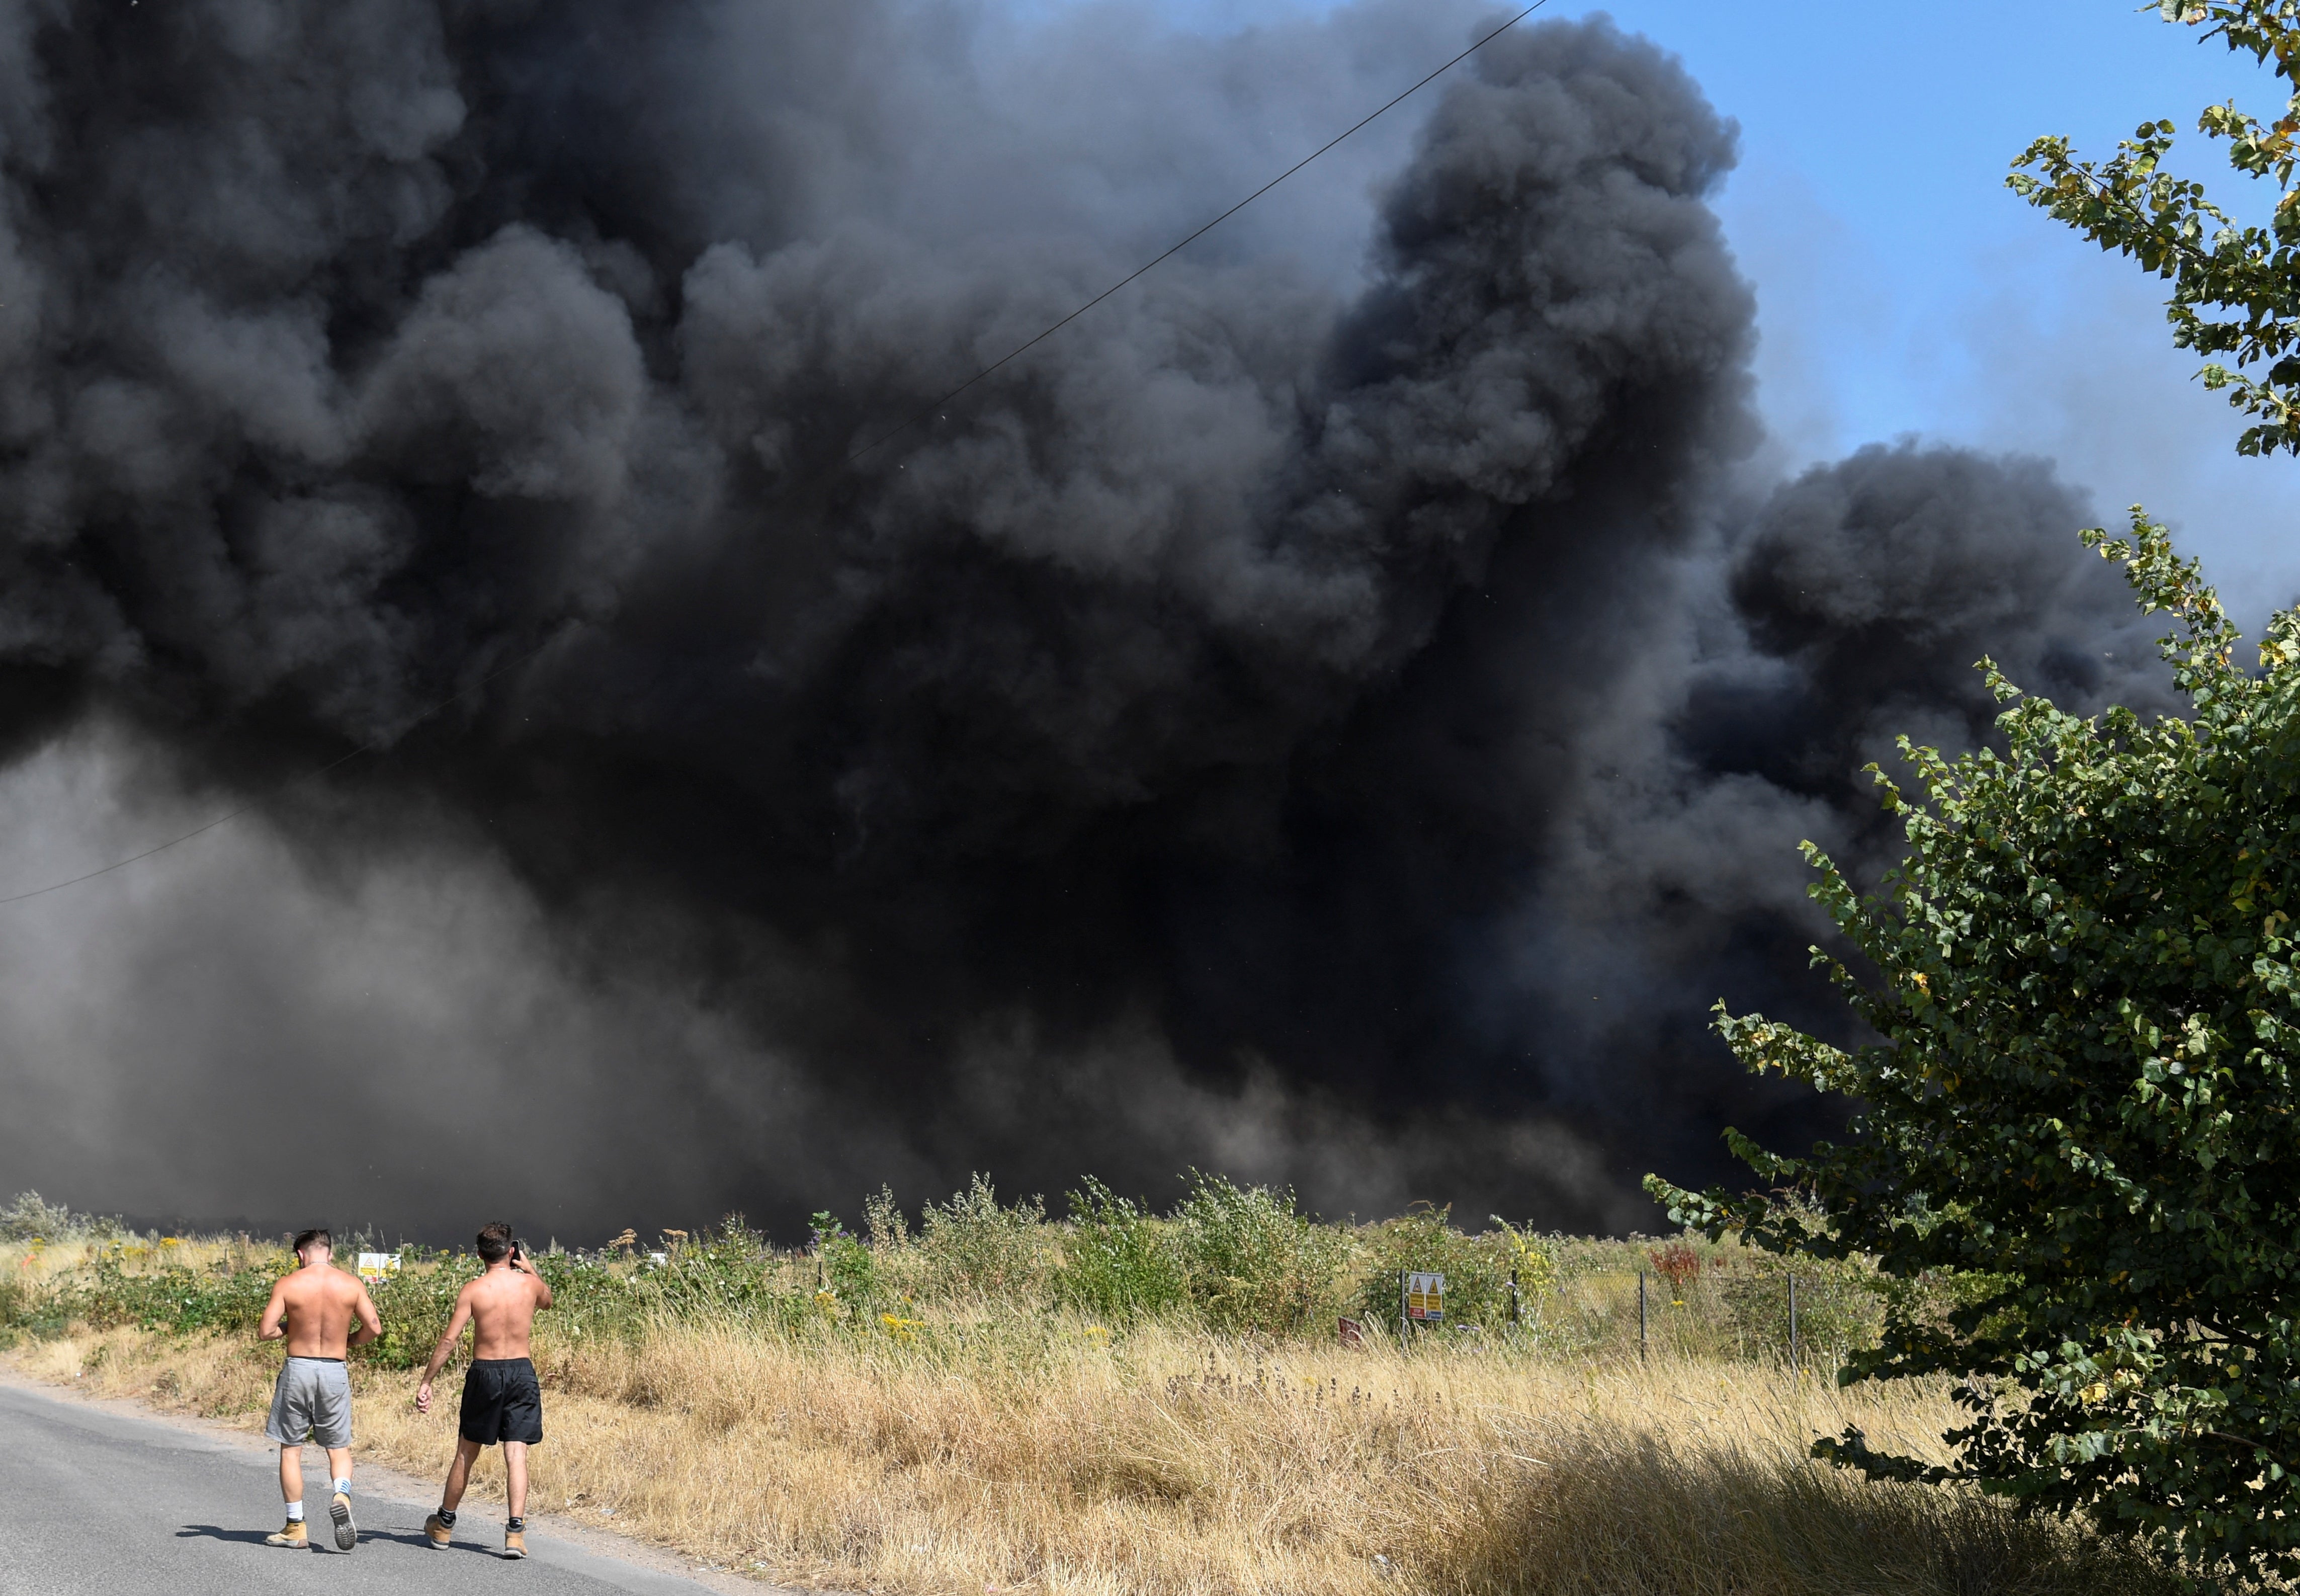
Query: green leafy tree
x,y
2084,1098
2236,289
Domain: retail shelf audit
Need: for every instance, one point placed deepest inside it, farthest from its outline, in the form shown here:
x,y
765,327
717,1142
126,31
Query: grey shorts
x,y
313,1401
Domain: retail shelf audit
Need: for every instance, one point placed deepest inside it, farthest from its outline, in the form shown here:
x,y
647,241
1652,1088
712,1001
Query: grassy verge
x,y
1123,1403
1046,1456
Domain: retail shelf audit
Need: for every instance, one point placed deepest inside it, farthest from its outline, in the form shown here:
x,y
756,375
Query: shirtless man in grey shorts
x,y
312,1310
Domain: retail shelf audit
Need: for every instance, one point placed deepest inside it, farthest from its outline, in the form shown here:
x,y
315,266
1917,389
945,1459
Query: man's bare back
x,y
502,1304
314,1310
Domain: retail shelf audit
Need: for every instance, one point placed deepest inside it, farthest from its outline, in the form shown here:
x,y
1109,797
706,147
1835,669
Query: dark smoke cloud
x,y
1335,713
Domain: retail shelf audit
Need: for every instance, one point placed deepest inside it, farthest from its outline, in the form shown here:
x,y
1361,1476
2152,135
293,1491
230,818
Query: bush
x,y
171,1297
1476,1267
18,1314
1840,1305
414,1306
726,1273
1251,1262
1118,1261
28,1218
970,1246
849,1269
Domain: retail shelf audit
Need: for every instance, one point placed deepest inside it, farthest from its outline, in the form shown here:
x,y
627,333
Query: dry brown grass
x,y
1040,1455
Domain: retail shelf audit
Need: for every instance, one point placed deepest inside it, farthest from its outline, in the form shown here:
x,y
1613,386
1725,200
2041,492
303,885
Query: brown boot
x,y
437,1533
514,1543
294,1534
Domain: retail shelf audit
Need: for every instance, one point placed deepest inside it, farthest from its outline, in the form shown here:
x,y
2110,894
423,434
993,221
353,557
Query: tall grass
x,y
1040,1455
1139,1403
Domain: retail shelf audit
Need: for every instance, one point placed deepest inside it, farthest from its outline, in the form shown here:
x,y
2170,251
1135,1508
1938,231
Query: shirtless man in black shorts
x,y
501,1399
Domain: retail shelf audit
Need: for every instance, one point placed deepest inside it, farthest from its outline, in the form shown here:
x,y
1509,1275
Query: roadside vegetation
x,y
977,1395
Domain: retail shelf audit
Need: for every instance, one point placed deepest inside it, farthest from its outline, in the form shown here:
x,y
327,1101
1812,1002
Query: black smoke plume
x,y
1337,714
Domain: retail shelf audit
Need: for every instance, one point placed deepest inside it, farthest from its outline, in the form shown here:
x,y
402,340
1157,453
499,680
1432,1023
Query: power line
x,y
1015,354
1023,349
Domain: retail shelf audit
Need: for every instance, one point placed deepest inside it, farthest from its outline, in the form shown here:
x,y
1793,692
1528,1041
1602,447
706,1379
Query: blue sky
x,y
1902,291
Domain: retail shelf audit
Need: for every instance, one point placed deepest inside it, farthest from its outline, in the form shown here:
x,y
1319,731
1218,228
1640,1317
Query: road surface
x,y
98,1500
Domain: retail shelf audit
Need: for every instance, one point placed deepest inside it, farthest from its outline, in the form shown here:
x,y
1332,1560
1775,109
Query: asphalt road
x,y
97,1501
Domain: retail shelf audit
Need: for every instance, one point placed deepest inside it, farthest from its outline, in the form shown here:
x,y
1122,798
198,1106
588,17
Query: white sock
x,y
343,1487
294,1512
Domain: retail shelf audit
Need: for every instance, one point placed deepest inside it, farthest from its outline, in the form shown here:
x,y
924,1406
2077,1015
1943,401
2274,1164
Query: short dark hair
x,y
495,1240
308,1238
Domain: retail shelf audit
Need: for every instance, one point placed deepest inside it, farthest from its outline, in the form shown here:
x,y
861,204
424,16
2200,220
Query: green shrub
x,y
1940,1300
1840,1305
172,1299
972,1246
414,1306
1252,1262
1118,1262
1475,1269
728,1272
18,1314
848,1268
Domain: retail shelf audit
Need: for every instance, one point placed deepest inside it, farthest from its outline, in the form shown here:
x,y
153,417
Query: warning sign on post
x,y
1425,1296
374,1266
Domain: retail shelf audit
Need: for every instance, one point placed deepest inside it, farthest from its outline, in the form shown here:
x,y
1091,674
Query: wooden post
x,y
1517,1313
1793,1326
1405,1313
1641,1315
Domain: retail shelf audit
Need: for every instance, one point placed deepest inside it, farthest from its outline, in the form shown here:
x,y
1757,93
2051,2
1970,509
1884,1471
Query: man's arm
x,y
270,1329
370,1323
439,1355
539,1288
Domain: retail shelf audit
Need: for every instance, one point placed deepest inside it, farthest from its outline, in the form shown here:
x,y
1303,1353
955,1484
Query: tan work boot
x,y
347,1532
294,1534
514,1543
437,1533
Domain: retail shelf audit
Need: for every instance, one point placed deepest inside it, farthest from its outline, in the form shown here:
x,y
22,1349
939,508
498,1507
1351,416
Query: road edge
x,y
376,1477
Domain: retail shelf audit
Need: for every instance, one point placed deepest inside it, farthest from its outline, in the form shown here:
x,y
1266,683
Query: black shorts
x,y
501,1402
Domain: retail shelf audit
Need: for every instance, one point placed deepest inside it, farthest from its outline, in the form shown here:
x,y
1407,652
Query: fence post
x,y
1641,1315
1517,1314
1793,1326
1404,1314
